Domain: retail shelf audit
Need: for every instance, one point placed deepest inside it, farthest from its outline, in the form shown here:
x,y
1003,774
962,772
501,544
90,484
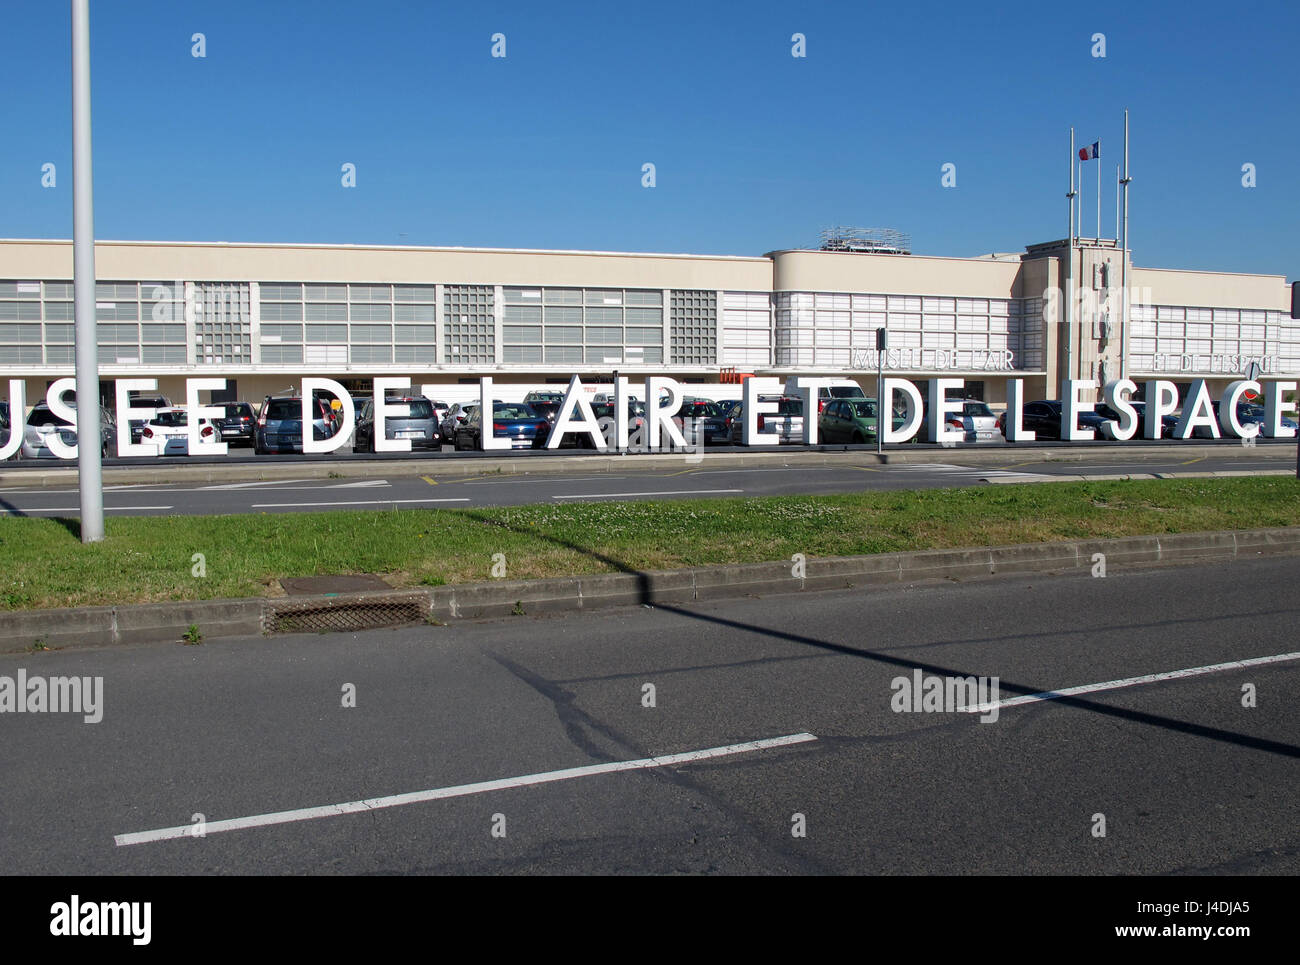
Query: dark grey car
x,y
419,424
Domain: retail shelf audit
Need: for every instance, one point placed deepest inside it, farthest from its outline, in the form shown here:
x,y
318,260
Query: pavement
x,y
541,744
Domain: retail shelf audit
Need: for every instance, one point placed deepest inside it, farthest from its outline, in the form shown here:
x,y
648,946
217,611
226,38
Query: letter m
x,y
116,918
963,692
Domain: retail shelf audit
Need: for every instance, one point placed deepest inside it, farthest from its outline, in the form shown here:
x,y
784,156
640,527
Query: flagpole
x,y
1081,200
1116,204
1123,265
1099,191
1067,268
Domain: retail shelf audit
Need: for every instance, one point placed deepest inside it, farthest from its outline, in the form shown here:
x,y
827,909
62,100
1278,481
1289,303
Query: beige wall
x,y
822,271
1208,289
324,263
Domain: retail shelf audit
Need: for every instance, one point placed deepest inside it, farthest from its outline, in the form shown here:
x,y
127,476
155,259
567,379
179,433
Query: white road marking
x,y
666,492
359,502
461,790
1136,681
261,483
75,509
363,484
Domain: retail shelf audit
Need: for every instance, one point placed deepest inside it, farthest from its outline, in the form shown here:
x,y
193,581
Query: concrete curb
x,y
1113,477
167,622
271,468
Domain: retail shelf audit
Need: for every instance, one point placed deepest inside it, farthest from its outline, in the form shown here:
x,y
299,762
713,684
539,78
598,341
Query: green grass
x,y
147,559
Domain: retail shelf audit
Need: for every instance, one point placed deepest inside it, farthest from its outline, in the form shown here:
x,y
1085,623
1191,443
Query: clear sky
x,y
754,149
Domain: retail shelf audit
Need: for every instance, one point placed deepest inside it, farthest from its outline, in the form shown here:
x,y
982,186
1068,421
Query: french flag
x,y
1090,152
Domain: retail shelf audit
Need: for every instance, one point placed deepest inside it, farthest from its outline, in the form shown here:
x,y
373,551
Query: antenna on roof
x,y
872,241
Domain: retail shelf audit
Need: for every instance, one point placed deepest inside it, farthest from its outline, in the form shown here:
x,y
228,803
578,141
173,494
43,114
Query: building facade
x,y
263,316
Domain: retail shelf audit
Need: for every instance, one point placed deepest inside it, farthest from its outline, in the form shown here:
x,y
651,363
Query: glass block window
x,y
469,326
222,323
575,326
693,328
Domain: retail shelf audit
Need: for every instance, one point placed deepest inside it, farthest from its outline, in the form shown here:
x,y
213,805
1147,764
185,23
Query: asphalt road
x,y
1187,778
697,480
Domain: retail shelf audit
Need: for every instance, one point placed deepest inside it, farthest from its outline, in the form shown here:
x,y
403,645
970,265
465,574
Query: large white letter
x,y
1275,409
383,409
17,410
199,412
1014,420
1116,395
1197,412
1228,420
1162,400
124,388
54,398
487,437
809,389
1071,406
309,441
657,417
575,397
886,409
940,406
753,388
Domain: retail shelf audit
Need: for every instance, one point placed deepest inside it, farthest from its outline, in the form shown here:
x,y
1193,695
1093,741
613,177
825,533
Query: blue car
x,y
519,422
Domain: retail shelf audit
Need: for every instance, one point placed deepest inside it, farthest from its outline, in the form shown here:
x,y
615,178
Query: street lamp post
x,y
89,474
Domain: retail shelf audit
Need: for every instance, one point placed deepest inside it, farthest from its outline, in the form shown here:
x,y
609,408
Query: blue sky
x,y
754,149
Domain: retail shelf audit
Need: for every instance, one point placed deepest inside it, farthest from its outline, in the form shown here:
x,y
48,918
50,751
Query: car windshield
x,y
236,411
790,407
418,409
517,411
977,410
846,392
171,418
284,409
44,417
863,410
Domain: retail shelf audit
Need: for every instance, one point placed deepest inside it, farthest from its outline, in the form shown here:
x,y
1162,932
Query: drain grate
x,y
317,616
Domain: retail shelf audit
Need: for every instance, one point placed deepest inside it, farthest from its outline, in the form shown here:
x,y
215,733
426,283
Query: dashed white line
x,y
75,509
357,502
437,794
1136,681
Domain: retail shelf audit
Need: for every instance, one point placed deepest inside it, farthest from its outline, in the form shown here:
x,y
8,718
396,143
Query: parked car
x,y
787,421
235,425
5,425
168,432
1247,413
840,389
604,413
139,401
852,421
545,395
1257,413
43,423
717,425
456,416
975,420
513,420
420,425
1168,423
1043,417
279,424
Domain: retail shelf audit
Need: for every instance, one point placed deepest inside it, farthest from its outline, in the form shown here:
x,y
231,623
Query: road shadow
x,y
645,597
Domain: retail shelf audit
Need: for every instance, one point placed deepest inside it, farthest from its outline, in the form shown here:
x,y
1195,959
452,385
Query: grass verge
x,y
151,559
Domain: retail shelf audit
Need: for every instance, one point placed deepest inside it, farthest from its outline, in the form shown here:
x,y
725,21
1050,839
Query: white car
x,y
168,432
